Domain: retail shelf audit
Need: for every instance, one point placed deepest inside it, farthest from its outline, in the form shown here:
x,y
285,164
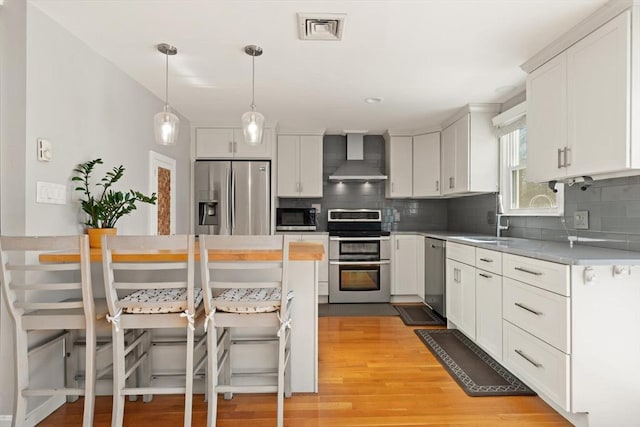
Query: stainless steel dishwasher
x,y
434,286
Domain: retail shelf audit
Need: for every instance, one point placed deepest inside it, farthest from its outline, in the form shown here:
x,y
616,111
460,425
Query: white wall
x,y
53,86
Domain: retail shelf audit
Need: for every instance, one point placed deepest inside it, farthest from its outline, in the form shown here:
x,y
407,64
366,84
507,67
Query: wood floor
x,y
374,371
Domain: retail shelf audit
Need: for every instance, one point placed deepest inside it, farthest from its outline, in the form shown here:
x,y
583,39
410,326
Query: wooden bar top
x,y
298,251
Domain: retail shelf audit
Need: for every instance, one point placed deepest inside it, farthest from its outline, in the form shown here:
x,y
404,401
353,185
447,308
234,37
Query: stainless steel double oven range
x,y
359,256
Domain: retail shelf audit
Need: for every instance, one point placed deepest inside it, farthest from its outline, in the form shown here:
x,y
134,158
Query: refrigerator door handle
x,y
233,201
228,186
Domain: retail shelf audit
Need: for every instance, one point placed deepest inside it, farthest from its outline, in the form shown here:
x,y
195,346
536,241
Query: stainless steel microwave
x,y
296,219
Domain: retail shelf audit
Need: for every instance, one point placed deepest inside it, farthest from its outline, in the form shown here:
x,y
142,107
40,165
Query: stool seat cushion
x,y
249,300
156,301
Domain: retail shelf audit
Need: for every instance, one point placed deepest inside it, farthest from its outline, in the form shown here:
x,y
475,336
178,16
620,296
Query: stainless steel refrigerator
x,y
232,197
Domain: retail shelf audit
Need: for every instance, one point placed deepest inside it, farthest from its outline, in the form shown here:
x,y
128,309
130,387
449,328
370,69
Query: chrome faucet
x,y
499,215
499,226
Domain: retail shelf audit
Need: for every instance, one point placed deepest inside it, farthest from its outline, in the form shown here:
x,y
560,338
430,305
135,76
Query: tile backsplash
x,y
613,206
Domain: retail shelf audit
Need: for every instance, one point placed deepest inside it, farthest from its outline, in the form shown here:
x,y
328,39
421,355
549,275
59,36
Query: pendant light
x,y
166,124
252,121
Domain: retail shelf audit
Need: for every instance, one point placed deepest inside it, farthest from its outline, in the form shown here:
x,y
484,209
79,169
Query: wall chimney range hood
x,y
356,169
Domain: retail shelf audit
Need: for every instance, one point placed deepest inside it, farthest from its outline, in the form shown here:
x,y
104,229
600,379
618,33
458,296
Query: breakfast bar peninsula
x,y
303,280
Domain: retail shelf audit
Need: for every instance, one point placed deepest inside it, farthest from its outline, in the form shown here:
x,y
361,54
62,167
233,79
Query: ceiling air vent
x,y
326,26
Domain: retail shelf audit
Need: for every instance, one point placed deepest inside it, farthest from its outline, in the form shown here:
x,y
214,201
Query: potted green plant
x,y
106,207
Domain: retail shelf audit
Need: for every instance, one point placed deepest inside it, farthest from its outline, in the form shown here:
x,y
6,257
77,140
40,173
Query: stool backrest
x,y
132,263
30,285
224,264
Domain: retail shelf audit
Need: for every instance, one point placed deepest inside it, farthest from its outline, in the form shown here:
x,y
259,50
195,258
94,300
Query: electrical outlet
x,y
317,206
581,220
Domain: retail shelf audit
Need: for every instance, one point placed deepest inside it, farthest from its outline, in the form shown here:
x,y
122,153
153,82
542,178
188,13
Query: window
x,y
519,196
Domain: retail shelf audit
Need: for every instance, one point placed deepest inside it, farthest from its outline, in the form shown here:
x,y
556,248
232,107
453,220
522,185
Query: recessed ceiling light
x,y
373,100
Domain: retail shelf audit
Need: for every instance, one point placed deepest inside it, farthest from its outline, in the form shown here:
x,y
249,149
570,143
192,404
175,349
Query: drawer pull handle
x,y
486,276
524,270
486,260
528,359
530,310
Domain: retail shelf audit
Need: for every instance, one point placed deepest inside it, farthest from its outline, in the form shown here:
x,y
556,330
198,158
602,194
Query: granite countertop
x,y
559,252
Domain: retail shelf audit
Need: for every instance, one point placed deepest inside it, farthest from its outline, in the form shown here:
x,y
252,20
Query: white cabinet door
x,y
310,168
547,120
579,108
468,300
426,165
455,157
461,296
405,265
288,165
226,143
454,291
260,151
489,312
599,90
399,154
299,166
214,143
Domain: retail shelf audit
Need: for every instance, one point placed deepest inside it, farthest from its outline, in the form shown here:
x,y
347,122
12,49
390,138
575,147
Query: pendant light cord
x,y
166,80
253,82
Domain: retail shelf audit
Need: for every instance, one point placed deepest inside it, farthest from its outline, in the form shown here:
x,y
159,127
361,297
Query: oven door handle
x,y
359,262
338,239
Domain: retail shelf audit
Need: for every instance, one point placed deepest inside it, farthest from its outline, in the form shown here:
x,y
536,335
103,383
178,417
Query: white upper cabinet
x,y
299,165
228,143
426,165
546,119
579,108
398,159
469,161
413,165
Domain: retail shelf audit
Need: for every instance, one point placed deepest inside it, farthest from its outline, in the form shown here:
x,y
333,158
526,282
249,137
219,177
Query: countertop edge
x,y
561,253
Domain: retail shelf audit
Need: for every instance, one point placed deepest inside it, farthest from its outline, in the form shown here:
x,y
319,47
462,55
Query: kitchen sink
x,y
483,239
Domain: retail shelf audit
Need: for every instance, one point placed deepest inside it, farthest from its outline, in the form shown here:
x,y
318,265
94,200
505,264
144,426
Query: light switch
x,y
47,192
581,220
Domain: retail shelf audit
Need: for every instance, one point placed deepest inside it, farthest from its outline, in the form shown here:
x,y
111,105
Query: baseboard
x,y
44,410
405,298
5,420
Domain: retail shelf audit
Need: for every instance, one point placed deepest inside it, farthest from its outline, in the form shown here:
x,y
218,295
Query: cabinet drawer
x,y
539,312
489,260
462,253
537,363
543,274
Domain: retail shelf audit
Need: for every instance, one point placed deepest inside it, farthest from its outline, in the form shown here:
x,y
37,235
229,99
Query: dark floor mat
x,y
351,309
473,369
419,315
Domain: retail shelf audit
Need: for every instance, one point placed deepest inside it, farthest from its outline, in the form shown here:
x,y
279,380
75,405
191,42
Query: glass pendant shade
x,y
166,126
252,121
252,126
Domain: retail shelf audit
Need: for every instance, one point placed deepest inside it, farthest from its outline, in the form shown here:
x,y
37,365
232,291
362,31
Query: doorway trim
x,y
157,160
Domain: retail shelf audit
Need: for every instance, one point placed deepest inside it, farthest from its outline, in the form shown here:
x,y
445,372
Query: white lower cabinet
x,y
542,313
461,288
536,312
537,363
544,322
489,312
407,264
